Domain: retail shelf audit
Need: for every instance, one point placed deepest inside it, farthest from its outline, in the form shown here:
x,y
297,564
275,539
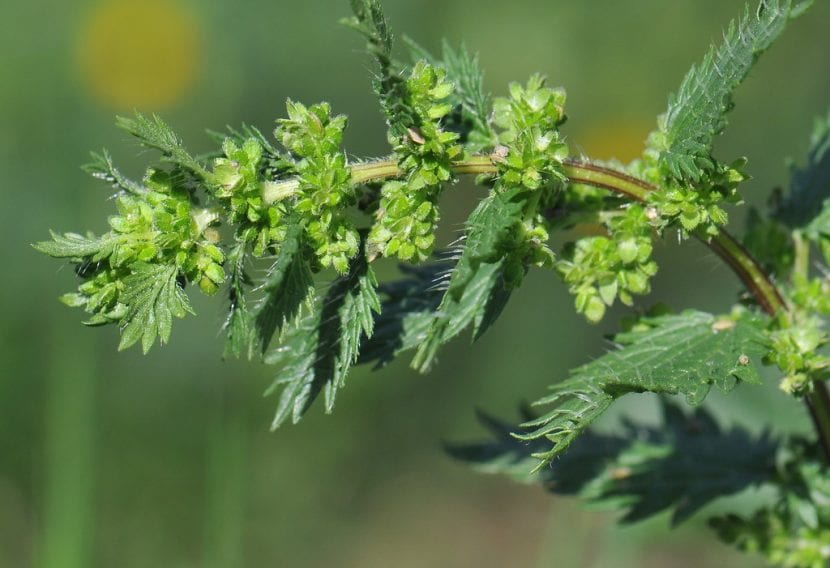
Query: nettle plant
x,y
300,204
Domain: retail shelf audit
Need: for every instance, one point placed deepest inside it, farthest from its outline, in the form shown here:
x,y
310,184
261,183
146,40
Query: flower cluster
x,y
240,187
407,213
324,189
529,157
600,269
530,117
691,208
528,246
158,226
798,336
98,294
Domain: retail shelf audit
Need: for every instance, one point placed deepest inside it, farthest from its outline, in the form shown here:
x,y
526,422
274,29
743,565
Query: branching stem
x,y
754,278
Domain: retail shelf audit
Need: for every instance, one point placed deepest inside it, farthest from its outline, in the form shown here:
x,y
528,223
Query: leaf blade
x,y
697,112
153,297
679,465
319,350
476,280
288,285
684,353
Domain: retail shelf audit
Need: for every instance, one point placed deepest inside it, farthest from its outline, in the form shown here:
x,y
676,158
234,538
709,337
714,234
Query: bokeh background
x,y
166,460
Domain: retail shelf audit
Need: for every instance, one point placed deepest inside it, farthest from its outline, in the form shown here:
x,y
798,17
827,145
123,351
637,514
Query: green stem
x,y
583,172
801,262
226,496
70,431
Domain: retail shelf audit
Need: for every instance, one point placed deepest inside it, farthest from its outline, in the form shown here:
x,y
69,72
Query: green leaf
x,y
697,113
318,352
680,465
300,362
102,168
153,297
238,325
370,21
288,285
407,311
793,529
770,243
475,293
807,204
357,318
685,354
78,247
390,85
154,133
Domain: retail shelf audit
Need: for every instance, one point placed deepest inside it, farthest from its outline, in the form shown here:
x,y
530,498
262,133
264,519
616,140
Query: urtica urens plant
x,y
299,203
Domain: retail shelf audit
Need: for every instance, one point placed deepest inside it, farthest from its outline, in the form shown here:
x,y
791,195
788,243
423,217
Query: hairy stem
x,y
754,278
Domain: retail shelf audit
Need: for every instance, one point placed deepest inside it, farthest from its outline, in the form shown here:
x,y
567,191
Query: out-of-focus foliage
x,y
681,465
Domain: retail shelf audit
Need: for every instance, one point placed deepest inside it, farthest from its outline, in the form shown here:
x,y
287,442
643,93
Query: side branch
x,y
583,172
754,278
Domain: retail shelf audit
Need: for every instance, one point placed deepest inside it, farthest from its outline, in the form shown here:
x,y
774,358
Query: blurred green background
x,y
166,460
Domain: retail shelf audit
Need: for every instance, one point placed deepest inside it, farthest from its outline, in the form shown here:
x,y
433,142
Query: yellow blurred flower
x,y
622,140
139,53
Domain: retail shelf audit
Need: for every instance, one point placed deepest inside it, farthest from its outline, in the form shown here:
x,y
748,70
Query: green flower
x,y
601,269
324,190
407,214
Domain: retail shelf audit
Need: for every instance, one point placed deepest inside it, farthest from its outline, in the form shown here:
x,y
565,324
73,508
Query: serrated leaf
x,y
475,292
288,285
390,85
807,204
298,359
239,323
153,132
102,168
356,314
409,305
318,352
370,21
684,354
680,465
153,297
791,530
75,246
697,112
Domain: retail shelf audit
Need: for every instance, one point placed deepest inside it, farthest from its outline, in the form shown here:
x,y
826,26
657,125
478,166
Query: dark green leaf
x,y
318,352
697,113
792,529
370,21
683,464
770,243
684,354
389,83
356,315
238,325
287,286
476,291
806,205
299,359
408,308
